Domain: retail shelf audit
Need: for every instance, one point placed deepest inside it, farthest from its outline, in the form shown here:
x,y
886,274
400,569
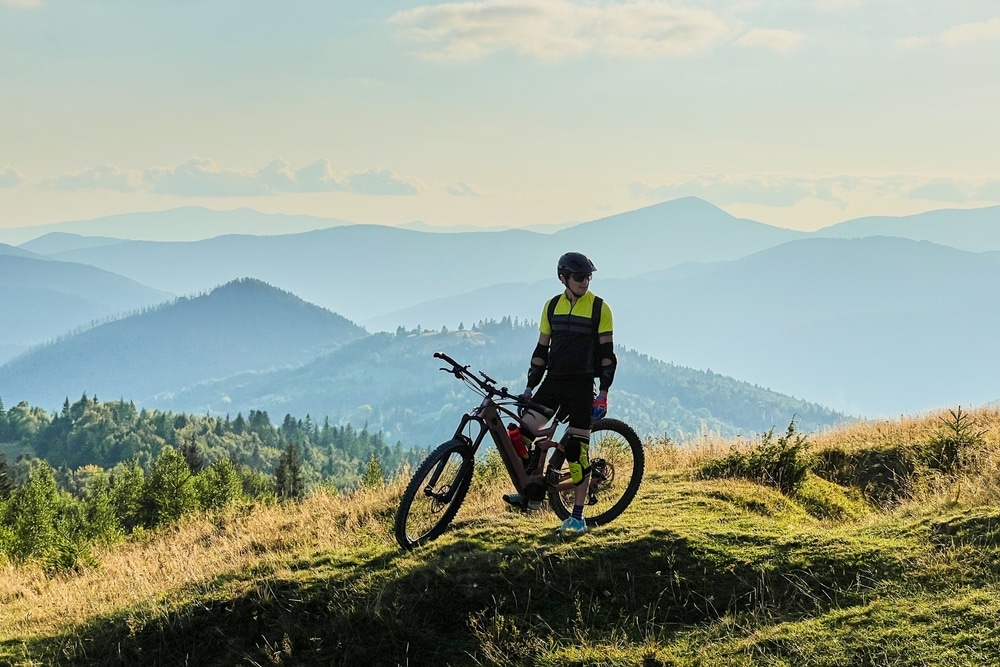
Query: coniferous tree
x,y
194,459
102,523
128,483
6,483
170,491
288,474
32,513
374,476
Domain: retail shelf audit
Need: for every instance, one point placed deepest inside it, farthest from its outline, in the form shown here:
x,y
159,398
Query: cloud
x,y
462,189
317,176
11,177
780,41
21,4
970,33
958,36
381,182
942,189
104,177
785,190
559,29
202,177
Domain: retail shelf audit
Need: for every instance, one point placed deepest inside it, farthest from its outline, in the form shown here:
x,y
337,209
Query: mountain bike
x,y
439,486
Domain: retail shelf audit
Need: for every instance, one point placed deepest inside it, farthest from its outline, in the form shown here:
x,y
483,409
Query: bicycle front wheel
x,y
617,463
435,493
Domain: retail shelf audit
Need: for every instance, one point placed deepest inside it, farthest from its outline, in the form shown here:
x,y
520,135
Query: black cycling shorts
x,y
572,396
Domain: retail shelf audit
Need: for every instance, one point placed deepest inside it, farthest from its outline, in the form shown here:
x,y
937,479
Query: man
x,y
569,355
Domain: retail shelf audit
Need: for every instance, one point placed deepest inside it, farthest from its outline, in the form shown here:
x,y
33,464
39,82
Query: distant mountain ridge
x,y
56,242
387,267
244,325
42,298
975,230
14,251
177,224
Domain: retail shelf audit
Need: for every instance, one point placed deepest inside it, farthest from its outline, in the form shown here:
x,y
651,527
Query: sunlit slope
x,y
697,571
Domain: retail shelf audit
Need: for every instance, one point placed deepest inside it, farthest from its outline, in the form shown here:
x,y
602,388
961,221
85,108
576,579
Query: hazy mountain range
x,y
42,298
249,346
242,326
871,326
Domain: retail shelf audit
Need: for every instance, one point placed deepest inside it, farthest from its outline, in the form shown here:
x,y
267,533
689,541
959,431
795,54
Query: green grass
x,y
707,572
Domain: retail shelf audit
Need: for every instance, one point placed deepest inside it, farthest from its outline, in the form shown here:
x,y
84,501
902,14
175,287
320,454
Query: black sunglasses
x,y
581,277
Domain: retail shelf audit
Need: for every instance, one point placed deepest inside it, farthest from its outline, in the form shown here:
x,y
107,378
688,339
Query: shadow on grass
x,y
475,593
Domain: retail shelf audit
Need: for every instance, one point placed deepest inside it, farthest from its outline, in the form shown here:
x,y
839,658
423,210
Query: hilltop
x,y
900,569
241,326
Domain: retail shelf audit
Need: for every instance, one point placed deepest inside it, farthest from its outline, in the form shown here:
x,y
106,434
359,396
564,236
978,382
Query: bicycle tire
x,y
425,510
616,448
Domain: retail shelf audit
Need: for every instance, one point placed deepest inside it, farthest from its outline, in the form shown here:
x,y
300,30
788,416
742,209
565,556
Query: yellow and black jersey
x,y
573,345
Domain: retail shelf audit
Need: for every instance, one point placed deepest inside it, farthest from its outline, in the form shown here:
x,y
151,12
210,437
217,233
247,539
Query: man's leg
x,y
577,450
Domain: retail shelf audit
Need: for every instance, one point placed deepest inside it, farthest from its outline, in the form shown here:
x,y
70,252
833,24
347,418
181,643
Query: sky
x,y
796,113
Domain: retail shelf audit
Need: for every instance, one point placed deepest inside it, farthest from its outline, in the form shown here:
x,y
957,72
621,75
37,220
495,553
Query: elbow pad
x,y
541,352
607,371
536,370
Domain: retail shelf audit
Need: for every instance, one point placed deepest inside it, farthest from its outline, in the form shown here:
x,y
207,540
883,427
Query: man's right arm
x,y
539,362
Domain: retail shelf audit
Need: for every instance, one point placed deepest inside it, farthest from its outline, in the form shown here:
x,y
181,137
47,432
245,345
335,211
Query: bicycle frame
x,y
488,417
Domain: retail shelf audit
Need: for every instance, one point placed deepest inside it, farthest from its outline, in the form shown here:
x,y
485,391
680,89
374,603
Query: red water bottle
x,y
518,439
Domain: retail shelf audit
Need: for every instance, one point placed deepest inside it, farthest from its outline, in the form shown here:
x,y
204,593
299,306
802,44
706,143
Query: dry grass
x,y
977,484
189,556
907,430
188,560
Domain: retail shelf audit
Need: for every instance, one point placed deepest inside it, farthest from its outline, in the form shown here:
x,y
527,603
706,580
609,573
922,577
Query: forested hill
x,y
241,326
392,384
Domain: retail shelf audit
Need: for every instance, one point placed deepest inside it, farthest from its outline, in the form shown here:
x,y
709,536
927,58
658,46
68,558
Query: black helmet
x,y
575,262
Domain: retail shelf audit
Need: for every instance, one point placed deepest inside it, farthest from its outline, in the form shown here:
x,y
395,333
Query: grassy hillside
x,y
699,571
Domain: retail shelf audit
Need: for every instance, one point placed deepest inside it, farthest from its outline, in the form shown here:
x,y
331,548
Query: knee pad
x,y
576,447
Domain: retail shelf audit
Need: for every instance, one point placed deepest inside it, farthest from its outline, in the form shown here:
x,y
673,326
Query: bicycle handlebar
x,y
488,385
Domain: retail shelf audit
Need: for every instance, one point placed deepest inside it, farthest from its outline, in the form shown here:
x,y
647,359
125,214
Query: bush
x,y
956,447
782,463
883,474
219,485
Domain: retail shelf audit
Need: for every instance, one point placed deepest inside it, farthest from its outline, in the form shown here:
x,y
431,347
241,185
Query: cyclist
x,y
569,355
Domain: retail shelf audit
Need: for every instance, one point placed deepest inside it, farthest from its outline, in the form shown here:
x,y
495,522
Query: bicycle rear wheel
x,y
617,463
435,493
